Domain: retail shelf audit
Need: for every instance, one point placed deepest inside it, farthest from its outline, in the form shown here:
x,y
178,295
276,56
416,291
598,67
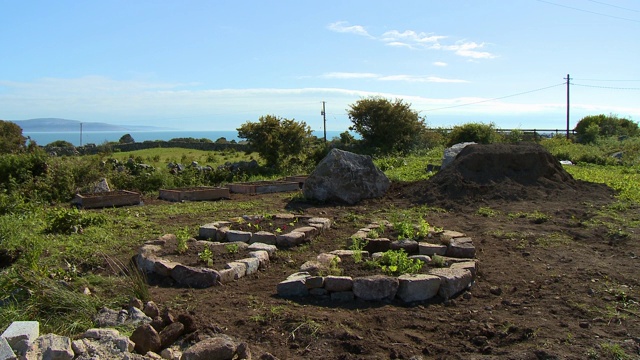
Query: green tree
x,y
387,126
473,132
60,143
277,140
126,139
11,138
606,126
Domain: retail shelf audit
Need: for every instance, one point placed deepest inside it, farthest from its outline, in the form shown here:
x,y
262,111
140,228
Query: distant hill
x,y
63,125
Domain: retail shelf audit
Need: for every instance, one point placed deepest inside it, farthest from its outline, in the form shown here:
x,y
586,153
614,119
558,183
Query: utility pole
x,y
568,78
80,134
324,118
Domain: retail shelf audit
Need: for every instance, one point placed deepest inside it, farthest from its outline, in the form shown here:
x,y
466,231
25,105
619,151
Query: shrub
x,y
397,262
474,132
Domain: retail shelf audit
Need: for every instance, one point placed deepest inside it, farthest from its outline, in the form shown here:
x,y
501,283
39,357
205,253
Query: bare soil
x,y
564,288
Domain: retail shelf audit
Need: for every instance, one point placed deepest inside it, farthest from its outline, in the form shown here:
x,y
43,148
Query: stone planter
x,y
107,199
263,187
194,194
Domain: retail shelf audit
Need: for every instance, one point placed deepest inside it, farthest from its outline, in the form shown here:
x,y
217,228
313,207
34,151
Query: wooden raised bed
x,y
300,179
195,194
107,199
263,187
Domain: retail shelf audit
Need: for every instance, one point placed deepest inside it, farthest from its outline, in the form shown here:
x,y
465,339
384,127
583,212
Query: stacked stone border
x,y
261,245
455,248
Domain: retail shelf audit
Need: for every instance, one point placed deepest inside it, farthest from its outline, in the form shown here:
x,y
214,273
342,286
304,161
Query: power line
x,y
588,11
607,80
498,98
615,6
606,87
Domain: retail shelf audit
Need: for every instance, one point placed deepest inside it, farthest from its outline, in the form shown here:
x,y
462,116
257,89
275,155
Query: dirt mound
x,y
500,172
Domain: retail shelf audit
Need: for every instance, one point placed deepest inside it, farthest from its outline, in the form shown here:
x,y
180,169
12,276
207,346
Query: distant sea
x,y
100,137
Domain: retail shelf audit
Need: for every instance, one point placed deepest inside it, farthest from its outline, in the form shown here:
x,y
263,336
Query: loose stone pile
x,y
156,336
261,246
453,247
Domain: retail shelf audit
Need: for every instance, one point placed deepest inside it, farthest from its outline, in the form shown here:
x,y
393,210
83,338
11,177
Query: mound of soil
x,y
509,172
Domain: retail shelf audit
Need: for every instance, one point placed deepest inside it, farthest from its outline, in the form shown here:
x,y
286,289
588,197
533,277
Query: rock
x,y
469,265
314,267
409,246
459,249
243,352
195,277
208,231
262,256
6,353
151,309
290,239
239,269
451,153
495,290
50,347
189,323
425,248
338,283
345,177
314,282
453,281
293,286
217,348
375,288
21,330
251,264
259,246
267,356
170,334
342,296
136,303
101,187
264,237
137,316
417,287
240,236
320,223
146,339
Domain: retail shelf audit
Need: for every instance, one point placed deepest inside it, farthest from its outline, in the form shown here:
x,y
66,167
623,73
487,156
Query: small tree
x,y
11,138
473,132
591,127
126,139
387,126
276,139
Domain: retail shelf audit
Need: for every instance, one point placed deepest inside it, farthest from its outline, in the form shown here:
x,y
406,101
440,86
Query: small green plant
x,y
231,248
357,245
423,228
537,217
68,221
334,266
405,230
438,261
373,234
614,351
206,256
181,237
487,212
397,262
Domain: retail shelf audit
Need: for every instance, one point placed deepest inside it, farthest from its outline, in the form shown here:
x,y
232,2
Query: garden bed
x,y
194,194
107,199
263,187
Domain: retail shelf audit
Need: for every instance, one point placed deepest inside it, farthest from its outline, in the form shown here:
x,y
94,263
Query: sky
x,y
216,64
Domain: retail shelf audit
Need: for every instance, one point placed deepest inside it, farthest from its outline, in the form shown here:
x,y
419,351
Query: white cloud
x,y
440,63
413,78
344,27
418,40
348,75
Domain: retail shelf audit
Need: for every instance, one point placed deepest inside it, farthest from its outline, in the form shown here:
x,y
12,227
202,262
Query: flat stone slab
x,y
375,288
453,281
264,237
21,330
418,287
195,277
6,353
294,286
425,248
338,283
290,239
240,236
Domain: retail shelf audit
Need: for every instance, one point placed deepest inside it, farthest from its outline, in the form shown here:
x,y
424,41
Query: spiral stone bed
x,y
455,248
261,246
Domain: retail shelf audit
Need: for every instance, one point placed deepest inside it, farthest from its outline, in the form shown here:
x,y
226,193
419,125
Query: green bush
x,y
397,262
474,132
591,127
68,221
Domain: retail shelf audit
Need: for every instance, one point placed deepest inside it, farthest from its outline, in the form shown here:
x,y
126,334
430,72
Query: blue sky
x,y
213,65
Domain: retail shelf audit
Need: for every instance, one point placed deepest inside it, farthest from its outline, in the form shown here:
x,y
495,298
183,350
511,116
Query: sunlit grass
x,y
625,180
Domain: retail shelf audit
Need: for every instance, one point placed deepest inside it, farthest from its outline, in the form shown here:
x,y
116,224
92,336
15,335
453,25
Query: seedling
x,y
206,256
231,248
357,245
